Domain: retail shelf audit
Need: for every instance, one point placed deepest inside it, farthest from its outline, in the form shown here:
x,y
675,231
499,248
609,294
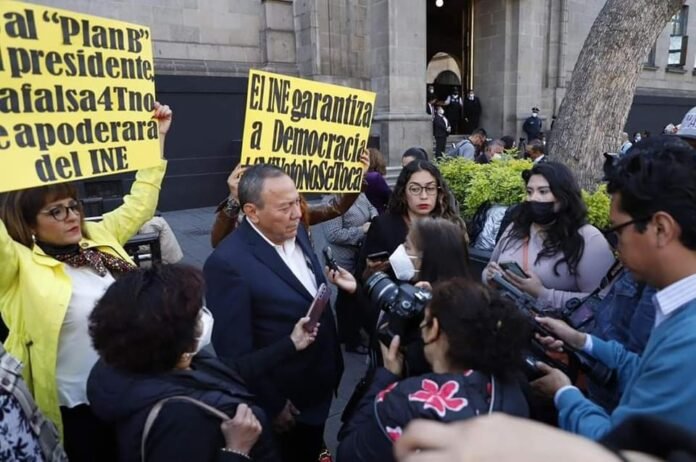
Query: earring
x,y
33,237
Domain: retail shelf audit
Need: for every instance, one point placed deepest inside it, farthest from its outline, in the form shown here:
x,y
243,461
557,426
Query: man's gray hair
x,y
251,184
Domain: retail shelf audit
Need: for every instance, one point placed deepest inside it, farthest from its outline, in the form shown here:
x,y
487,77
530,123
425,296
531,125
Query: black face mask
x,y
541,213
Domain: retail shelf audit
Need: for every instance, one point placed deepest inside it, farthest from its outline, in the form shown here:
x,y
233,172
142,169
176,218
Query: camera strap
x,y
525,256
492,404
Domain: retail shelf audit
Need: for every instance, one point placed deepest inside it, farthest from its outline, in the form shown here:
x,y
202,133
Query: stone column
x,y
398,65
508,62
278,37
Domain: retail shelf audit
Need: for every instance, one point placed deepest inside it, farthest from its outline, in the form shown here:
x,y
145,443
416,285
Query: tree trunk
x,y
596,105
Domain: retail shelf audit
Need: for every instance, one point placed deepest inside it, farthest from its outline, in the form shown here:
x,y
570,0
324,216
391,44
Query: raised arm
x,y
140,204
9,256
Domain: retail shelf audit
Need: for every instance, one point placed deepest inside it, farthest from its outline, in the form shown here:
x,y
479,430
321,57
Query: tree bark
x,y
596,105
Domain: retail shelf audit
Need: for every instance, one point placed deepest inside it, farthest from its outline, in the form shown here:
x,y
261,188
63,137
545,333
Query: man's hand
x,y
163,115
393,359
241,432
562,333
283,422
300,337
551,382
342,279
374,266
233,181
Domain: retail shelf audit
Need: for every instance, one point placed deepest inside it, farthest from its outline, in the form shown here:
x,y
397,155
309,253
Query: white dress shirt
x,y
295,259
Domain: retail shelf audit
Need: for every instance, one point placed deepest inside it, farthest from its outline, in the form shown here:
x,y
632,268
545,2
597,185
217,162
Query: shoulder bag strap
x,y
154,412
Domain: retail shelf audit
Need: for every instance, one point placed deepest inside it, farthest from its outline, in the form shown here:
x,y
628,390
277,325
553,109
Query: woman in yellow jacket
x,y
54,267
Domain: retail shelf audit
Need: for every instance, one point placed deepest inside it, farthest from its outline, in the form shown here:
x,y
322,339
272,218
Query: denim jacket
x,y
627,315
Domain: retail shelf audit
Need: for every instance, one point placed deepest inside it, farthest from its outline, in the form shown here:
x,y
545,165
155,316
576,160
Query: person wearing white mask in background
x,y
151,331
472,110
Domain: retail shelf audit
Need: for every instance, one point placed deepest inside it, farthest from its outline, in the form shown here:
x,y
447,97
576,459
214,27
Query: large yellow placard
x,y
76,96
314,131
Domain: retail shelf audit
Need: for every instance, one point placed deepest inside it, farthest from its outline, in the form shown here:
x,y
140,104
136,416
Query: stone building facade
x,y
516,54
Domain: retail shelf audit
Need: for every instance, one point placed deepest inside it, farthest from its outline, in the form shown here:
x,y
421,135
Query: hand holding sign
x,y
77,98
314,131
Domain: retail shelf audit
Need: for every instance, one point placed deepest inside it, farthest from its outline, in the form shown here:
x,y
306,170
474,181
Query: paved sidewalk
x,y
192,229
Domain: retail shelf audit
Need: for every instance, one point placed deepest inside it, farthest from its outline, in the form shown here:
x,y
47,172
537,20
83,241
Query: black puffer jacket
x,y
182,431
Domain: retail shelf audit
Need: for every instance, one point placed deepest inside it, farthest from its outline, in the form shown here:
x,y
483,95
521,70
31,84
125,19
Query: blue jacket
x,y
256,301
627,313
659,383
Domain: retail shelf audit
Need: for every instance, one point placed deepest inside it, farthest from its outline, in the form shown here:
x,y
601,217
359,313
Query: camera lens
x,y
381,290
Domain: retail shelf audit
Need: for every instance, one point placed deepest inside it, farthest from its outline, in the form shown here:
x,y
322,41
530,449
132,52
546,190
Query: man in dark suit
x,y
261,279
472,112
441,129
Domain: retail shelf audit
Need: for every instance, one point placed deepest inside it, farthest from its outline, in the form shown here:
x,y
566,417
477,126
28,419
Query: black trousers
x,y
87,439
303,443
440,143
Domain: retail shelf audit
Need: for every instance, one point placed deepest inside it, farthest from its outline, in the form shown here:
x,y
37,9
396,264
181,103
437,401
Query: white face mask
x,y
534,114
471,97
207,323
402,264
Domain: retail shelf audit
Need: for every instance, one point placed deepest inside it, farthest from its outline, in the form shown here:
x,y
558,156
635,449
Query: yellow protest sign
x,y
76,96
314,131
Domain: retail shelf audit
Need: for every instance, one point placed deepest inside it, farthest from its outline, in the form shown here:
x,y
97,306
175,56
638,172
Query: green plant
x,y
598,204
500,182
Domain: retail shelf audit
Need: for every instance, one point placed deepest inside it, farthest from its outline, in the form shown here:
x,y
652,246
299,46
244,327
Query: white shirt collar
x,y
538,159
287,247
673,297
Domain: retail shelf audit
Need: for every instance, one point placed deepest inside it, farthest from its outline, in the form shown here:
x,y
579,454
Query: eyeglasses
x,y
612,234
60,212
415,189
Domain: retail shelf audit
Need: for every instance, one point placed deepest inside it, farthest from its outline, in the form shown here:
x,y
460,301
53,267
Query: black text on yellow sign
x,y
76,96
314,131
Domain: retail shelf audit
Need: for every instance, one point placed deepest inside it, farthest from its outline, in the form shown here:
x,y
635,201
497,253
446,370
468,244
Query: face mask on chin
x,y
402,264
541,213
207,322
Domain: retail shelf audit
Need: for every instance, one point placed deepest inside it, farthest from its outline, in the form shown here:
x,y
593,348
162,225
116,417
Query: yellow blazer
x,y
35,290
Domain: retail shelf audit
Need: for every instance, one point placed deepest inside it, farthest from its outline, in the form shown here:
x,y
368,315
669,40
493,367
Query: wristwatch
x,y
231,208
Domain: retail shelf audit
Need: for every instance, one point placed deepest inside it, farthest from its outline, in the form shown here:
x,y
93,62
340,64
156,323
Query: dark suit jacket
x,y
256,300
439,127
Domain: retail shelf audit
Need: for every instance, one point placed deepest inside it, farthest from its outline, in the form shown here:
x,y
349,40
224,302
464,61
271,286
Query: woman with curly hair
x,y
474,341
562,255
150,330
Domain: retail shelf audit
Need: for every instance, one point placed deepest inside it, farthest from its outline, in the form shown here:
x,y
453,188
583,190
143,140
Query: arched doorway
x,y
449,46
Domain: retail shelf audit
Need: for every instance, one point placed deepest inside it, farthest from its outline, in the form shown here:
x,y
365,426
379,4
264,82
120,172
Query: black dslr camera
x,y
403,306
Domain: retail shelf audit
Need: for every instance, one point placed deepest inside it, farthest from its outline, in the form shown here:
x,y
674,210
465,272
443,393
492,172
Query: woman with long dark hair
x,y
562,256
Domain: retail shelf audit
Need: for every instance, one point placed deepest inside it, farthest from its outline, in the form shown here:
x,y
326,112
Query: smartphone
x,y
317,307
379,256
514,268
330,260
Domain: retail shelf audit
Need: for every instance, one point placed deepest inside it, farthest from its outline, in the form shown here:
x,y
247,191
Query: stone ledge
x,y
650,67
675,70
